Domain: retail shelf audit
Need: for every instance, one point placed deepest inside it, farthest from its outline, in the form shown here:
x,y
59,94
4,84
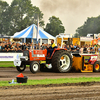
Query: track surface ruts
x,y
52,93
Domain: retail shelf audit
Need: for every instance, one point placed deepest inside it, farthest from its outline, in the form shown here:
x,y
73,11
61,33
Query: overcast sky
x,y
72,13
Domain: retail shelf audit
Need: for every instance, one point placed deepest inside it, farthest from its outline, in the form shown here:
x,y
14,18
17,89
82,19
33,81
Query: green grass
x,y
54,81
6,64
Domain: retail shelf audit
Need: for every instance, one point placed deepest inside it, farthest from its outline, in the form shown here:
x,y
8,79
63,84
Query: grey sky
x,y
72,13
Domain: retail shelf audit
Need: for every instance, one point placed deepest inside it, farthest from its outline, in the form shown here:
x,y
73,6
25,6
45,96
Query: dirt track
x,y
82,91
11,73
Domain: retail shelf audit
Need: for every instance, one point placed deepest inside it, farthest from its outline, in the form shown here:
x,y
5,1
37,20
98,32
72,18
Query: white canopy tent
x,y
31,32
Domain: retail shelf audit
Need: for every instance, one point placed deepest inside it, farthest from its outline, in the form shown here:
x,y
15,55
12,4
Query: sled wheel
x,y
96,66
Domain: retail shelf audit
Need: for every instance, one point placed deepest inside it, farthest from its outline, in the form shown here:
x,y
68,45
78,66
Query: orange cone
x,y
20,75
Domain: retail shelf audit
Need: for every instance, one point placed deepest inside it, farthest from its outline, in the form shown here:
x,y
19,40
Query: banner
x,y
86,38
10,56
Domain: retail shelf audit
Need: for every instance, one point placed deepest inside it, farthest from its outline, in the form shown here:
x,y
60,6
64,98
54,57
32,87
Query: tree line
x,y
91,25
21,14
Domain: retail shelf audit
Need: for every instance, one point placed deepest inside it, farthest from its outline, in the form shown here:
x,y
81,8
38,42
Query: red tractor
x,y
59,61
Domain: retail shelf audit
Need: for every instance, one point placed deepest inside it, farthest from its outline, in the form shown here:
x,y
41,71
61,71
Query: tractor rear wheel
x,y
96,66
62,61
21,68
34,66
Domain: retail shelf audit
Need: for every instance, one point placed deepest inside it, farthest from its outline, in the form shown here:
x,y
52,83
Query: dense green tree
x,y
22,14
4,21
76,35
92,25
55,26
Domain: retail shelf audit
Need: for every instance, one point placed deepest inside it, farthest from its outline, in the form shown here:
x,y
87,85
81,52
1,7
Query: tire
x,y
96,66
34,66
21,68
43,68
61,61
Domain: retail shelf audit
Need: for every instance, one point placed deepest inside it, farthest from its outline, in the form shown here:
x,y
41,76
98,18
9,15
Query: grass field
x,y
54,81
6,64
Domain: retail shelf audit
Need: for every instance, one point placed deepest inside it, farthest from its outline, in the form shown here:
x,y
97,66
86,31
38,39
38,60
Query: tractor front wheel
x,y
96,66
34,66
21,68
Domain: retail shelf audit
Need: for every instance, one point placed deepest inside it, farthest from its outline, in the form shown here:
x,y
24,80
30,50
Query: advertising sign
x,y
86,59
10,56
86,38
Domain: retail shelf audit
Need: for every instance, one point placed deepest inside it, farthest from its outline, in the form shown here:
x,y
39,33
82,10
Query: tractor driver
x,y
51,48
52,44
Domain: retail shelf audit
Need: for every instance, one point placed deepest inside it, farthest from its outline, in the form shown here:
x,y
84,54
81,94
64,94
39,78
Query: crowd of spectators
x,y
13,47
19,47
82,49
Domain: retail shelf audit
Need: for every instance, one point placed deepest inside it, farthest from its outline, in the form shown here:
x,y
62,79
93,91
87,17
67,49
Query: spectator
x,y
3,47
78,48
19,50
34,46
58,45
95,48
38,46
64,45
75,46
0,46
85,49
72,48
68,48
30,47
13,45
43,46
91,49
23,46
81,49
88,49
99,49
